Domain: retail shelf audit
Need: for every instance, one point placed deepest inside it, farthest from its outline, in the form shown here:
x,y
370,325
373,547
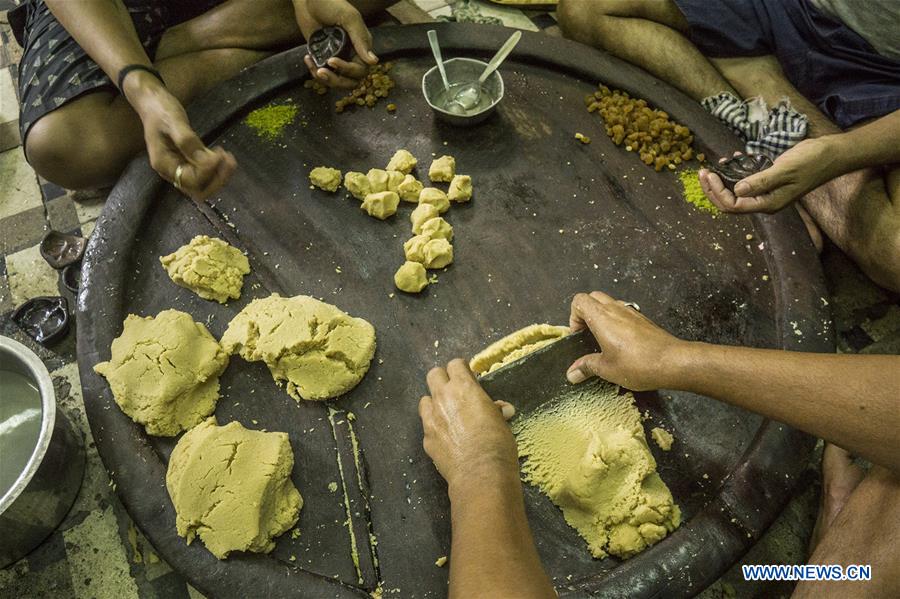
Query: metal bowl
x,y
462,70
42,493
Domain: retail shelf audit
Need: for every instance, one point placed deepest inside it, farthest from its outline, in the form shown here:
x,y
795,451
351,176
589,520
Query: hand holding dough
x,y
435,197
442,169
402,161
381,205
422,214
411,277
209,267
325,178
460,189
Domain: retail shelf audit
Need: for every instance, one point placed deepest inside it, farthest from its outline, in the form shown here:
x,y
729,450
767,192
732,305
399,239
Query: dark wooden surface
x,y
624,230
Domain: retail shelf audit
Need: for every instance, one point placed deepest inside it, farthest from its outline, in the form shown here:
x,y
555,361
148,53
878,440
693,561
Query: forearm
x,y
874,144
850,400
493,554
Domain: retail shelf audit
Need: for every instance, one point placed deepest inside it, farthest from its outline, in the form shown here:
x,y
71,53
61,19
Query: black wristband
x,y
137,67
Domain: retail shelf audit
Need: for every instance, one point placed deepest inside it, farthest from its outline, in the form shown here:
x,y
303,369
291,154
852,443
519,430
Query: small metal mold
x,y
740,167
44,319
61,250
327,43
71,277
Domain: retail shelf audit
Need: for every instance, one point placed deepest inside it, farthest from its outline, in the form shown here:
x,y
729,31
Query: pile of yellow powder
x,y
693,193
269,121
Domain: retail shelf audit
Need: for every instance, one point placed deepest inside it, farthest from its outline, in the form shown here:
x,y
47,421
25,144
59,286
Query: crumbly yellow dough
x,y
437,228
588,453
516,345
381,205
357,184
663,438
378,180
232,487
402,161
435,197
325,178
460,189
316,349
442,169
422,214
395,178
414,248
164,371
409,189
438,253
411,277
209,267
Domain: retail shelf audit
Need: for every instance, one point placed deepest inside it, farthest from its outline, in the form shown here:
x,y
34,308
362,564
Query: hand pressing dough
x,y
516,345
663,438
325,178
422,214
442,169
435,197
378,180
460,189
357,184
402,161
395,178
438,253
437,228
381,205
414,248
409,189
232,487
586,450
164,371
209,267
319,351
411,277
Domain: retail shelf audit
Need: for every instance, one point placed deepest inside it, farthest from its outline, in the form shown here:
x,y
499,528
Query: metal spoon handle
x,y
436,50
501,55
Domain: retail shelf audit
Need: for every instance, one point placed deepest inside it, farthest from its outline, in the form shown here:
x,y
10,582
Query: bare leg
x,y
840,477
866,531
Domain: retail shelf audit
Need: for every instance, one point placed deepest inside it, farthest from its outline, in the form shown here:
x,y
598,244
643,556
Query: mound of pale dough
x,y
402,161
381,205
460,189
438,253
325,178
442,169
414,248
411,277
164,371
663,438
209,267
588,453
357,184
516,345
422,214
316,349
378,180
232,486
435,197
436,228
395,178
409,189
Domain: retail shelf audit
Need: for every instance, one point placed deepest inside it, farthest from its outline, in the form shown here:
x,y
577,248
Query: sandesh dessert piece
x,y
411,277
422,214
395,178
209,267
460,189
435,197
438,253
409,189
378,180
357,184
516,345
232,487
317,350
437,228
414,248
402,161
442,169
381,205
325,178
164,371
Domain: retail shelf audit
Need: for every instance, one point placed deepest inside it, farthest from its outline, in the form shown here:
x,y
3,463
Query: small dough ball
x,y
422,214
411,277
381,205
395,178
209,267
325,178
409,189
414,249
378,180
357,184
460,189
437,228
402,161
435,197
438,253
442,169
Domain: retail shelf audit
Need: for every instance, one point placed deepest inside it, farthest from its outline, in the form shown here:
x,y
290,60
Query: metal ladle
x,y
470,95
451,106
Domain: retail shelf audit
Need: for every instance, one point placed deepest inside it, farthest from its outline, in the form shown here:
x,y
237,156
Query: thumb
x,y
758,183
360,36
584,368
189,144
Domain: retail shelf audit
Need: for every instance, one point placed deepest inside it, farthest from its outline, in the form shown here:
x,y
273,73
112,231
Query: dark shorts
x,y
829,63
55,70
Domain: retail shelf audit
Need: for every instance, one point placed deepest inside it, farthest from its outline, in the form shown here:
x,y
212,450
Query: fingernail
x,y
372,56
742,188
575,376
508,412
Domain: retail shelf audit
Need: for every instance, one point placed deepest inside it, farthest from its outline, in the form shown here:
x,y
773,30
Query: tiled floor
x,y
97,552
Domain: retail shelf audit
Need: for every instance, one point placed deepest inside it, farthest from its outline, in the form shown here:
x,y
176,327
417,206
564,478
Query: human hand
x,y
465,432
171,142
313,15
635,353
795,173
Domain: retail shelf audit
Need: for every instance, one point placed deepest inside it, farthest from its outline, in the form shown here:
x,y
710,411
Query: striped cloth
x,y
764,131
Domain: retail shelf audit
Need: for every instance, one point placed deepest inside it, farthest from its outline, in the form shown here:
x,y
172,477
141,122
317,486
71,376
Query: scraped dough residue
x,y
319,351
663,438
209,267
232,487
516,345
588,453
164,371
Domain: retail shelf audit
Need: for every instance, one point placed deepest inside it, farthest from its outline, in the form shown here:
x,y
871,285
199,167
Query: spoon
x,y
469,96
452,106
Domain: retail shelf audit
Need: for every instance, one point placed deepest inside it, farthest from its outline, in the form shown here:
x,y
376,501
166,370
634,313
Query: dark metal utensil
x,y
327,43
740,167
44,319
71,277
61,250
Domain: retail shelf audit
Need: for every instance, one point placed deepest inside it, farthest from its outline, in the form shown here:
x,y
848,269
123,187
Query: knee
x,y
576,19
69,154
880,255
